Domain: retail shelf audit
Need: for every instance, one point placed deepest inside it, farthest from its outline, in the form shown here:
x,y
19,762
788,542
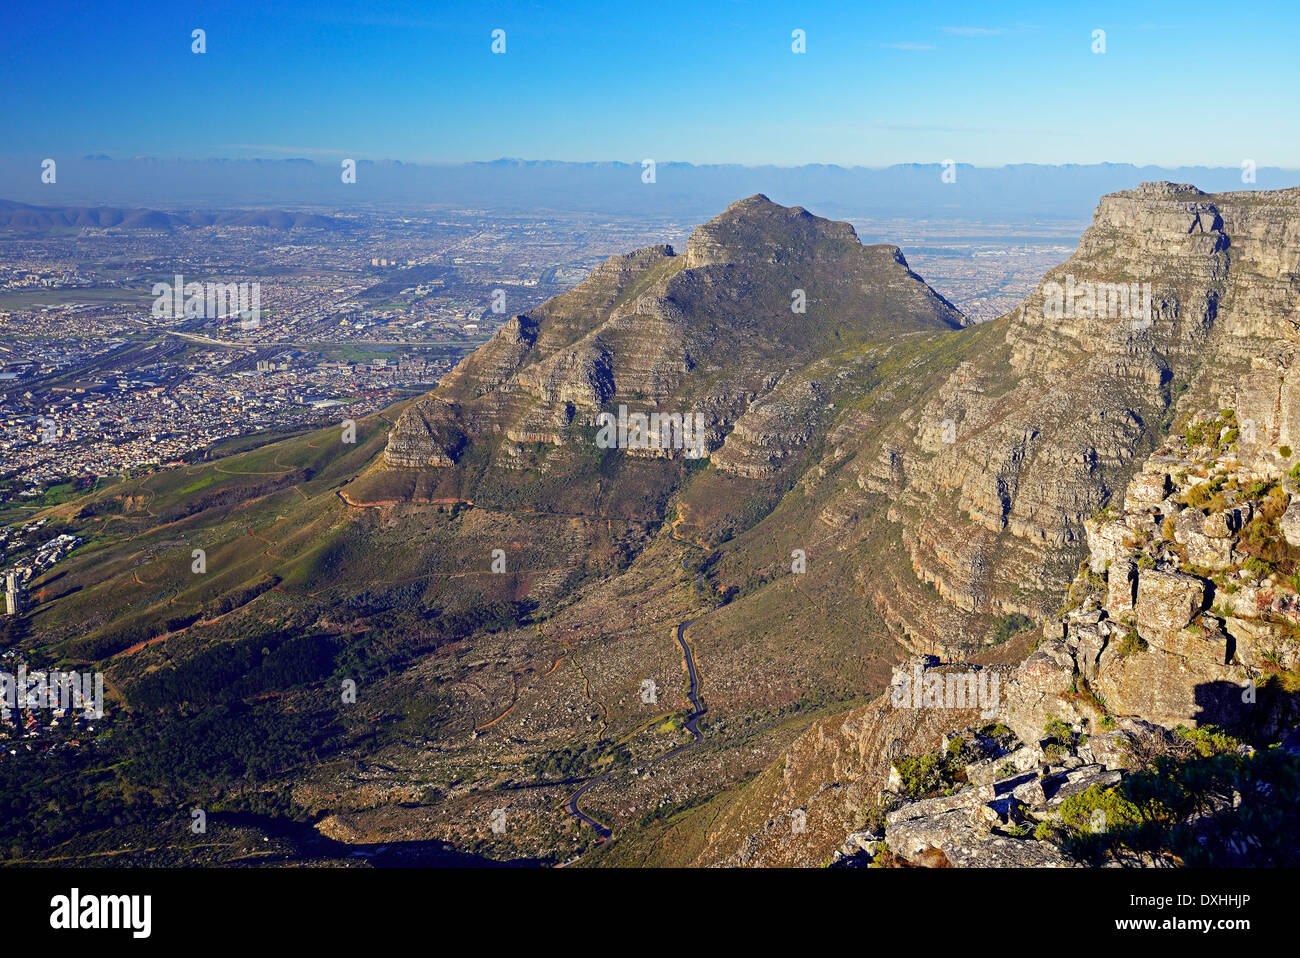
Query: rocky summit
x,y
728,330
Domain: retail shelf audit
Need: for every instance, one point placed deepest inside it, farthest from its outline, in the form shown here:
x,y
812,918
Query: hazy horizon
x,y
692,192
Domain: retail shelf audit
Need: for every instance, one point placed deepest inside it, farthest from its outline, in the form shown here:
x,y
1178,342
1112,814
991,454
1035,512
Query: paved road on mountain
x,y
692,726
692,720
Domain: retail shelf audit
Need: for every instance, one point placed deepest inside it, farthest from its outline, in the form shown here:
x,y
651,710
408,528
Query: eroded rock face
x,y
1147,488
1135,656
1167,601
1121,587
980,455
1040,690
432,436
715,332
994,477
1289,523
1143,638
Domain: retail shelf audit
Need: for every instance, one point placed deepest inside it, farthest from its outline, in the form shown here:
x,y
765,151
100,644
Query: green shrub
x,y
1175,808
1208,740
923,775
1132,643
1078,811
1257,490
959,750
1057,729
1008,626
1046,831
1257,567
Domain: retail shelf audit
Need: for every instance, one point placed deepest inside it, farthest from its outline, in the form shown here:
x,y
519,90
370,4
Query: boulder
x,y
1106,749
1170,688
1030,792
1038,689
1196,643
1258,641
1226,524
1105,542
989,770
1089,641
1060,787
1289,523
1167,601
1188,522
966,839
1055,630
1209,552
1146,489
1041,689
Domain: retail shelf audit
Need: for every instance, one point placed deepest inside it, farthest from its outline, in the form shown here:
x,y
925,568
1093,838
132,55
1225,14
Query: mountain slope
x,y
879,480
1052,415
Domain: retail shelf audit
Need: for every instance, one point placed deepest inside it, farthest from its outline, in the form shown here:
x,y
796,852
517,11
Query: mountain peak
x,y
756,229
1167,188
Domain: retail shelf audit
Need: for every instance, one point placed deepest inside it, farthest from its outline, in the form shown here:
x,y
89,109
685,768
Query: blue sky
x,y
705,82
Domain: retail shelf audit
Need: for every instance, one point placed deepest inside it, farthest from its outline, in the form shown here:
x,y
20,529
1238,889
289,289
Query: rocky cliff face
x,y
1185,614
724,330
938,479
1182,614
992,476
1187,603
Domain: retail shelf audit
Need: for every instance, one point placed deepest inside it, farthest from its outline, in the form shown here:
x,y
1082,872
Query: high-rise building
x,y
14,594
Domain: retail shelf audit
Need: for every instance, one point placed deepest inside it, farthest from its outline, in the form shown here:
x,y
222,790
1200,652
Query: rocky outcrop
x,y
1179,616
994,477
1167,601
1137,654
431,436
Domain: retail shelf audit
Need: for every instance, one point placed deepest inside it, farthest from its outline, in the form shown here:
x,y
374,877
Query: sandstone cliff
x,y
991,477
1184,615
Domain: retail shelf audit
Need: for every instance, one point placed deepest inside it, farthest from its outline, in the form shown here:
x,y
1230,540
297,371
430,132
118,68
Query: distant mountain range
x,y
1016,192
25,216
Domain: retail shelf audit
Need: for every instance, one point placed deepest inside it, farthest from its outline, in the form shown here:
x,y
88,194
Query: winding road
x,y
692,726
692,720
